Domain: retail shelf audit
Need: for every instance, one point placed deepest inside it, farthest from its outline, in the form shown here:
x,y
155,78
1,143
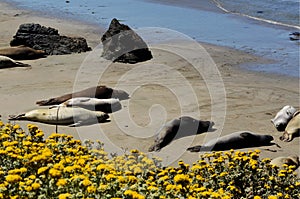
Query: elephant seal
x,y
104,105
184,126
236,140
283,117
292,129
22,52
6,62
62,116
100,92
290,161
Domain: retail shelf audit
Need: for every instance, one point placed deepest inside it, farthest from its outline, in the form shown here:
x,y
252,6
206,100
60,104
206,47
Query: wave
x,y
219,5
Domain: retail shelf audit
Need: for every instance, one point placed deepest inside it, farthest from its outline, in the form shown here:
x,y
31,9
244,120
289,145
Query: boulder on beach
x,y
122,44
48,39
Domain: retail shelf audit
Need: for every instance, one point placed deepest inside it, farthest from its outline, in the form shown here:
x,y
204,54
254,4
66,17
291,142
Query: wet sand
x,y
251,98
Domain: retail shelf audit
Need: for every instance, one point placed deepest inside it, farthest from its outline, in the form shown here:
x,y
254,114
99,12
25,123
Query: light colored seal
x,y
236,140
290,161
22,52
63,116
94,104
283,117
292,129
176,128
100,92
6,62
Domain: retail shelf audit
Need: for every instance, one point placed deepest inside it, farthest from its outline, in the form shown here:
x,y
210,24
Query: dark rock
x,y
48,39
122,44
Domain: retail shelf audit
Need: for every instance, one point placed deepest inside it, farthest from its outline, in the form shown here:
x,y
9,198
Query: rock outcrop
x,y
122,44
48,39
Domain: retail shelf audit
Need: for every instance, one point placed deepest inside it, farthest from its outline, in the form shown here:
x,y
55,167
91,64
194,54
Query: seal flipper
x,y
20,64
194,148
76,124
154,147
17,117
246,135
51,101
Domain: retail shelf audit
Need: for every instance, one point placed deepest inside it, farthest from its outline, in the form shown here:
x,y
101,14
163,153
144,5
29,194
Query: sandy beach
x,y
251,98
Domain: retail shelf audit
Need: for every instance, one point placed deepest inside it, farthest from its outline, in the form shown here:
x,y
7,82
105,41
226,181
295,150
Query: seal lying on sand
x,y
22,52
100,92
236,140
63,116
6,62
94,104
290,161
283,117
184,126
292,129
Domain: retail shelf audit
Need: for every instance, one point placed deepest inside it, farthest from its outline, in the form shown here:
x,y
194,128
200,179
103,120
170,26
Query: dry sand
x,y
159,92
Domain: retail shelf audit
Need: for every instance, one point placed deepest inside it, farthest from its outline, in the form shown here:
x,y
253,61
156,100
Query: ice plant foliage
x,y
62,167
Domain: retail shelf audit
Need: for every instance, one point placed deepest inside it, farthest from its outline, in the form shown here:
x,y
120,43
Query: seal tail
x,y
17,117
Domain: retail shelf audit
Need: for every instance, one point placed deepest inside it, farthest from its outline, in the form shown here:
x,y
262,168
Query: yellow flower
x,y
279,194
223,174
54,172
133,194
28,188
272,197
134,151
86,182
81,162
36,185
42,170
23,170
287,196
91,189
267,186
61,182
28,182
257,197
152,188
109,177
13,178
181,178
64,196
16,126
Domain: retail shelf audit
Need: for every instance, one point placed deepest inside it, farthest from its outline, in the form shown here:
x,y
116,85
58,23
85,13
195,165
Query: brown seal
x,y
292,129
6,62
289,161
176,128
22,53
236,140
100,92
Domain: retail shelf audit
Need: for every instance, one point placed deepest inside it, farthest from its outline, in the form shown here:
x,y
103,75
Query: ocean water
x,y
284,12
258,27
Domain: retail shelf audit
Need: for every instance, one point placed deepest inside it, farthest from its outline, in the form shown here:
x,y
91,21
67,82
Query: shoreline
x,y
216,6
252,98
